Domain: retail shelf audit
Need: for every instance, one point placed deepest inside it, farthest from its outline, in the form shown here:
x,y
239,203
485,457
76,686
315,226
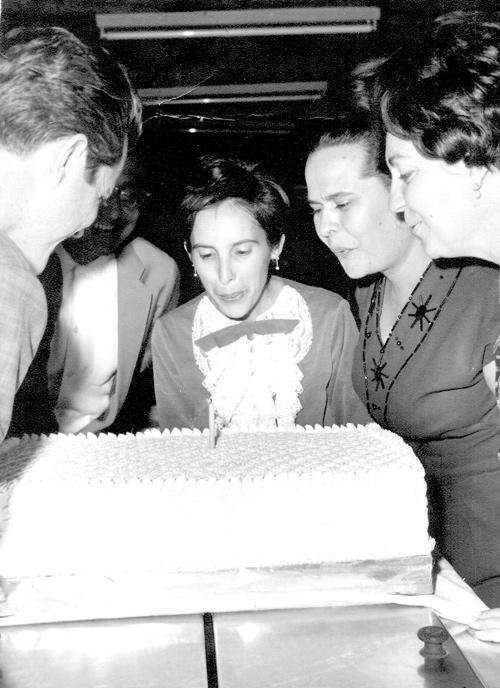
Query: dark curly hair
x,y
216,179
442,91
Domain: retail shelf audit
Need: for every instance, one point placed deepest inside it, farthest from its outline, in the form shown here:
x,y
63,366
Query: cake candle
x,y
211,425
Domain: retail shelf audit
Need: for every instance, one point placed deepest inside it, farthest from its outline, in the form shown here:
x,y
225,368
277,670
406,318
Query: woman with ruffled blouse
x,y
265,351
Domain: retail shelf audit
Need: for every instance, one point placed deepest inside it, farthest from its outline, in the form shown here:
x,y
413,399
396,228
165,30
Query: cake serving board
x,y
54,598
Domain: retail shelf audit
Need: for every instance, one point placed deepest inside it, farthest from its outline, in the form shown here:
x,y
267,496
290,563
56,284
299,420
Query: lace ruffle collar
x,y
255,381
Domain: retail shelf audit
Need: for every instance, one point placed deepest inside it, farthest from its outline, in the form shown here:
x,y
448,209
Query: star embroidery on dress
x,y
378,374
421,313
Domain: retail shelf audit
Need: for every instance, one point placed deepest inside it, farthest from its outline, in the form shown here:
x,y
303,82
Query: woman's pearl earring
x,y
477,189
195,274
277,263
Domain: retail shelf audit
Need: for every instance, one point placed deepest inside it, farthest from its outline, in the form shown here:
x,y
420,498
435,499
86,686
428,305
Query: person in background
x,y
67,116
425,353
266,352
114,289
439,103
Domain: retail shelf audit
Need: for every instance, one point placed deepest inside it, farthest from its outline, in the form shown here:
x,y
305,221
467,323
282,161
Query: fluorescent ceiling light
x,y
233,93
234,23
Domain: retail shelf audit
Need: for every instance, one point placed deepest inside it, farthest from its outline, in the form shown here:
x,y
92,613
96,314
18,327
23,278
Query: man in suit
x,y
114,289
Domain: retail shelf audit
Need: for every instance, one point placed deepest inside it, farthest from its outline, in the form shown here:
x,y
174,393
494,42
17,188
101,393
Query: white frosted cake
x,y
154,503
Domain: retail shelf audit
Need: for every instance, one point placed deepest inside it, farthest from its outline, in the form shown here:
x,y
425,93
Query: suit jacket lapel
x,y
134,312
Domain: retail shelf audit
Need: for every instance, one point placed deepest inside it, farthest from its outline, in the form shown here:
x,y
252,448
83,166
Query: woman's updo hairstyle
x,y
369,141
216,179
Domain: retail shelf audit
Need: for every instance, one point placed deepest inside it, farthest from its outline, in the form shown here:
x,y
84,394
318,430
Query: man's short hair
x,y
52,86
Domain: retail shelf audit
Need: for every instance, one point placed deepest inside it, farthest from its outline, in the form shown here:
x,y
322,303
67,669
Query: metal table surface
x,y
372,646
346,647
163,652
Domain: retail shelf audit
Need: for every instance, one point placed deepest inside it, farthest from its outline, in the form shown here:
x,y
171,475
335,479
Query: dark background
x,y
274,132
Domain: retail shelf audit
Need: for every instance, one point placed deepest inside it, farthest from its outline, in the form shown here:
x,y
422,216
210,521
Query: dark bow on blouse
x,y
247,328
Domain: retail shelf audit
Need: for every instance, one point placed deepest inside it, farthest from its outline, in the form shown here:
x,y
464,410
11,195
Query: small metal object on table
x,y
433,651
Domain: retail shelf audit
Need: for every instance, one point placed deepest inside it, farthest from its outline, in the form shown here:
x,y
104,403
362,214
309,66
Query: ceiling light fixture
x,y
233,93
234,23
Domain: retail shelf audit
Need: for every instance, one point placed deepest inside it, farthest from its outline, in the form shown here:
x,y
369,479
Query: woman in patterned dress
x,y
439,98
435,396
265,351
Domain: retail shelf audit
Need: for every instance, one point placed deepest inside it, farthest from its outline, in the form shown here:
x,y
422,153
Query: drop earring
x,y
195,274
277,263
478,177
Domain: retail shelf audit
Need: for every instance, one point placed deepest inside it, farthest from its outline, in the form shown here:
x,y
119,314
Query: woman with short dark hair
x,y
266,351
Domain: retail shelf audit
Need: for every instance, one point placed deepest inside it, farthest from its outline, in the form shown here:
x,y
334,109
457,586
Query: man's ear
x,y
69,157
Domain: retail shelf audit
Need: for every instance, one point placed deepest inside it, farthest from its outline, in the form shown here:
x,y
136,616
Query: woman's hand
x,y
487,625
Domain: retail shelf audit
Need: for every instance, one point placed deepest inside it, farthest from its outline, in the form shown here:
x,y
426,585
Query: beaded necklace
x,y
381,378
379,293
